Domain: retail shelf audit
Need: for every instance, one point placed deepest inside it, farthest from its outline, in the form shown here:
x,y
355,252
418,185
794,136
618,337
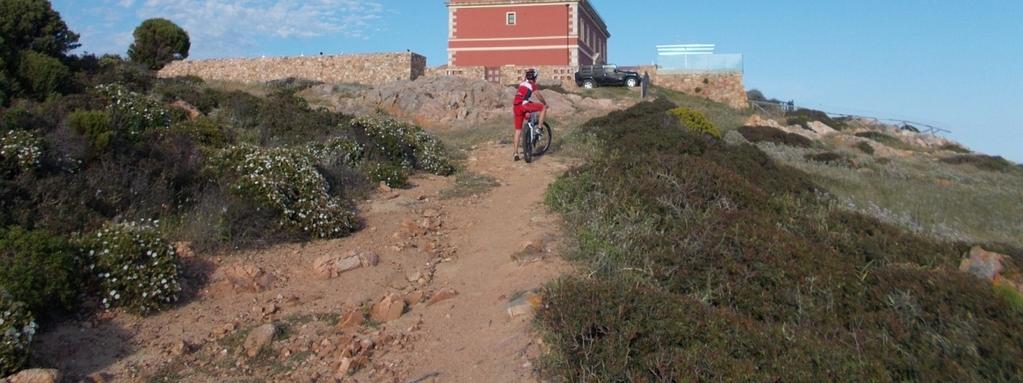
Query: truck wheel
x,y
631,82
589,84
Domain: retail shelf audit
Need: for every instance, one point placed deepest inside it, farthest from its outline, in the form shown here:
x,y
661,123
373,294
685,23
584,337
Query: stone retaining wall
x,y
726,88
368,69
510,74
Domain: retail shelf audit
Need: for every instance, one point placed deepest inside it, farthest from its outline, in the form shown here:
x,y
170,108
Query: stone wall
x,y
726,88
368,69
510,74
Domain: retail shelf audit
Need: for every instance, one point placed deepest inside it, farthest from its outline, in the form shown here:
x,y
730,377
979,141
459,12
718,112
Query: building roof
x,y
584,3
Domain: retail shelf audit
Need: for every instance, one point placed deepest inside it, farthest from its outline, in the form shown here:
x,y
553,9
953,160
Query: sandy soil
x,y
491,249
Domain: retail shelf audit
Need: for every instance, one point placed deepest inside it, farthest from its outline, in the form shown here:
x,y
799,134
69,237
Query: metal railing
x,y
700,63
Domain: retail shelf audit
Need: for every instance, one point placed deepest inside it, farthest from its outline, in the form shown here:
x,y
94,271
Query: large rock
x,y
389,308
331,266
983,264
258,339
243,278
443,101
820,128
35,376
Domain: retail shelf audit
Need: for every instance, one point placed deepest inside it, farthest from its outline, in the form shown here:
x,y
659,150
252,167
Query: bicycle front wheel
x,y
542,140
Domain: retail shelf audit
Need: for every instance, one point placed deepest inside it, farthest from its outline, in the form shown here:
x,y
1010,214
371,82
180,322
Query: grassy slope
x,y
711,262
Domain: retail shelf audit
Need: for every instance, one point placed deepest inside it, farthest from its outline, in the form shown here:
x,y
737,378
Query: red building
x,y
492,33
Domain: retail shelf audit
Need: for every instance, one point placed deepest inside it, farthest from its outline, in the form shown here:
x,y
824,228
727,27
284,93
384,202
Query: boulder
x,y
389,308
445,101
524,305
983,264
442,295
243,278
36,375
351,319
332,266
258,339
820,128
190,110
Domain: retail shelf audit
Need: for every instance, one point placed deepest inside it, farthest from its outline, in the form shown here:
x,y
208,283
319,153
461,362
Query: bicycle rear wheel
x,y
527,142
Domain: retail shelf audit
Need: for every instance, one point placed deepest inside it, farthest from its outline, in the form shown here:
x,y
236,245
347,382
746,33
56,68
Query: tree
x,y
34,25
158,42
42,75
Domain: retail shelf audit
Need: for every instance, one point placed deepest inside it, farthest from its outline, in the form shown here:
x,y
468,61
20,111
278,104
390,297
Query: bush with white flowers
x,y
136,268
17,327
20,150
287,181
132,112
405,144
338,150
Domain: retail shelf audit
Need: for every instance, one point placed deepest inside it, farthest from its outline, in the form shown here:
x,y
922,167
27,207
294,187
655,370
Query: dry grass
x,y
919,192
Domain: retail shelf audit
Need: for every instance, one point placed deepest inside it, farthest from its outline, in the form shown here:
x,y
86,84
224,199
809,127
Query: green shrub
x,y
981,161
802,116
115,70
775,135
38,269
17,328
42,75
954,147
205,132
133,113
826,157
865,147
94,125
390,174
708,261
190,90
695,121
338,150
400,143
20,152
885,139
135,268
286,181
1009,294
5,85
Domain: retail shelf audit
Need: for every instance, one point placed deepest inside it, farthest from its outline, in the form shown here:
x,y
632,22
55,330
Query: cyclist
x,y
524,105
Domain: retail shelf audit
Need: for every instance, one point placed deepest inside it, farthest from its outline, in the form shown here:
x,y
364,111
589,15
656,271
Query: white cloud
x,y
219,27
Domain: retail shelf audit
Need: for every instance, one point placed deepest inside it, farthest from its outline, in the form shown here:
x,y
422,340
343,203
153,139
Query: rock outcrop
x,y
443,101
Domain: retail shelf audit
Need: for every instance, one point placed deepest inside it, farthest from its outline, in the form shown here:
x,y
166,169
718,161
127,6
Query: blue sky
x,y
955,64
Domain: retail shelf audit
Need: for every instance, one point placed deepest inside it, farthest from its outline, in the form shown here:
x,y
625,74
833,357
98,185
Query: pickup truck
x,y
591,76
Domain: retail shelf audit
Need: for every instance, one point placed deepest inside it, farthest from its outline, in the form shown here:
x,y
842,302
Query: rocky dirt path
x,y
432,290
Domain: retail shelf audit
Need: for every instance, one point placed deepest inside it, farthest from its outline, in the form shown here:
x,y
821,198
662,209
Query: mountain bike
x,y
536,140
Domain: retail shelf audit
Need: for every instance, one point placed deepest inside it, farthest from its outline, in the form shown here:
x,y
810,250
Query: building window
x,y
510,18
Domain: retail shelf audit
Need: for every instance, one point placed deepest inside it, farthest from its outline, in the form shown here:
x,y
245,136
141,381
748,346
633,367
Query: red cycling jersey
x,y
526,89
524,103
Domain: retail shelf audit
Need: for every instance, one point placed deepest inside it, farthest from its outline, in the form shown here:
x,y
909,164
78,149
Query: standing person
x,y
646,84
524,105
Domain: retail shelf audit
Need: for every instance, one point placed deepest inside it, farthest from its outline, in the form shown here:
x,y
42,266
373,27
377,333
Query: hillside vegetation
x,y
708,261
101,185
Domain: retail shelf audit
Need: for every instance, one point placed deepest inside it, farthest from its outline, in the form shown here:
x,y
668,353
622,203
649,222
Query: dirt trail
x,y
473,246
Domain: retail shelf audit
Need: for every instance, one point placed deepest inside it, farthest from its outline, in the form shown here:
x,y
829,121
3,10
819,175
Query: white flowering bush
x,y
20,150
405,144
339,150
136,268
390,174
133,113
17,327
287,181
